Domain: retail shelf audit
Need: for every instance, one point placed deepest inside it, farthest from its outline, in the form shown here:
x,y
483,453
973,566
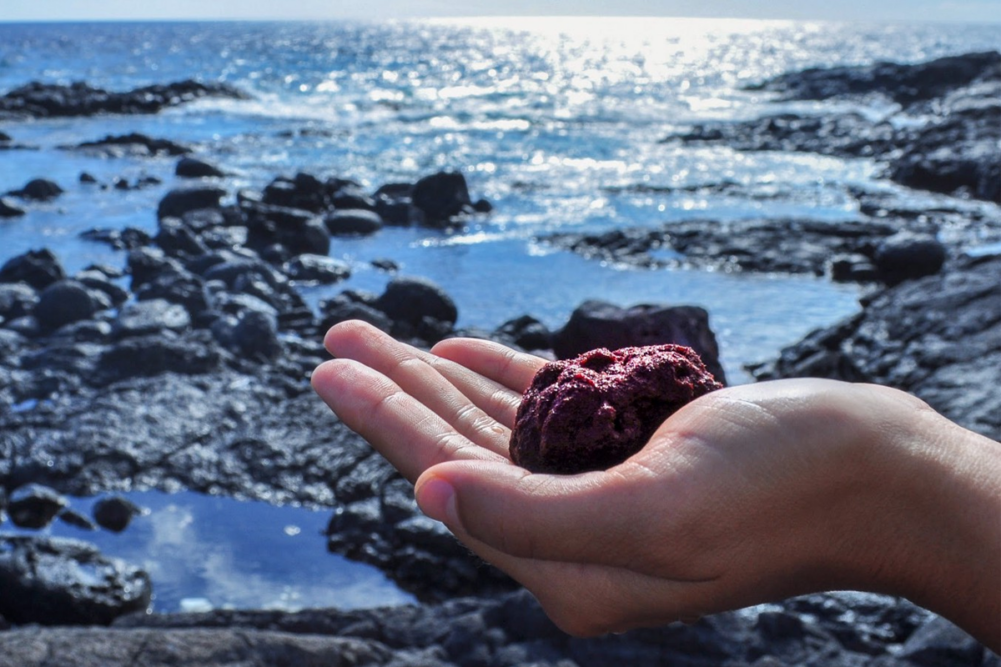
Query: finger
x,y
501,364
401,428
414,372
596,517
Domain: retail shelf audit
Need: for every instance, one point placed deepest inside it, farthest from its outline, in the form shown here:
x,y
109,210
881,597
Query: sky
x,y
838,10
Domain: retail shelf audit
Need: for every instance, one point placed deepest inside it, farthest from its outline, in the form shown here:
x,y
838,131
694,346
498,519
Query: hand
x,y
748,494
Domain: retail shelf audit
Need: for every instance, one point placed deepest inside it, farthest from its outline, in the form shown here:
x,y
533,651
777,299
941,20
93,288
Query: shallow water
x,y
205,552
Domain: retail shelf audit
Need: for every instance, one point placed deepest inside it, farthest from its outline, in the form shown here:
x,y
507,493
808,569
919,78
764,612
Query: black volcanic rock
x,y
441,197
43,100
66,582
133,145
39,189
34,506
937,337
8,209
189,167
596,324
64,302
115,513
410,300
904,83
178,202
353,222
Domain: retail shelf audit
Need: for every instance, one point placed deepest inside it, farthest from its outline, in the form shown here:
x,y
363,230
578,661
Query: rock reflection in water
x,y
207,552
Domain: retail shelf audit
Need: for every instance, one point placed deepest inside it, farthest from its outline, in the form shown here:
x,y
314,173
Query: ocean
x,y
556,121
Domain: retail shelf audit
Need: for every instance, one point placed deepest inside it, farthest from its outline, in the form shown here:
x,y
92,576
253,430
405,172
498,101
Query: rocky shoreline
x,y
212,326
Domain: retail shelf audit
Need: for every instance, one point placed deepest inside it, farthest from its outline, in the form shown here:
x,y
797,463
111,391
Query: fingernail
x,y
436,498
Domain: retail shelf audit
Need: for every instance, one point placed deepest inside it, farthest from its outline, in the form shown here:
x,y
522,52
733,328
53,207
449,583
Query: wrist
x,y
935,517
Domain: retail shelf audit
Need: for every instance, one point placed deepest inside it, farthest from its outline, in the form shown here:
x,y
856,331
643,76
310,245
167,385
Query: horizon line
x,y
351,19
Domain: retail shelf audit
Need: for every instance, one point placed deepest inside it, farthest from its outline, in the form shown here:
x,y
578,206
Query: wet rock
x,y
178,202
189,167
39,189
16,300
9,210
956,154
316,268
115,513
152,355
298,230
132,145
176,239
353,222
73,518
385,264
128,238
596,324
907,256
64,302
97,281
38,268
767,246
526,332
227,647
87,177
938,642
441,197
42,100
341,309
34,506
906,84
937,337
410,300
352,198
180,287
66,582
142,318
257,336
303,192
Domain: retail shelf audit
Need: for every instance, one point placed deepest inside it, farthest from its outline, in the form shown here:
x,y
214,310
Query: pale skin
x,y
750,494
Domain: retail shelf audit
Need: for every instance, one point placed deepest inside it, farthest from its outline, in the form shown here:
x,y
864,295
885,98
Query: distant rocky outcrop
x,y
47,100
953,153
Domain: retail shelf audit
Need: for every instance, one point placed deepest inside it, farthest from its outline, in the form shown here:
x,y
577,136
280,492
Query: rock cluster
x,y
44,100
954,153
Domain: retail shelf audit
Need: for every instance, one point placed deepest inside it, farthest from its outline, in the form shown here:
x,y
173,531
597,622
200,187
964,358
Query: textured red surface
x,y
597,410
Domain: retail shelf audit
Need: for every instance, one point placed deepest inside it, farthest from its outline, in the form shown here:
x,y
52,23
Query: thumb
x,y
594,517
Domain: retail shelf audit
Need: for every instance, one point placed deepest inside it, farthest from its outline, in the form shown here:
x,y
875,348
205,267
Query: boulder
x,y
189,167
178,202
257,335
8,209
63,302
410,300
142,318
906,256
177,240
526,332
128,238
441,197
180,287
597,324
298,230
353,222
16,300
39,189
340,309
34,506
316,268
38,268
66,582
115,513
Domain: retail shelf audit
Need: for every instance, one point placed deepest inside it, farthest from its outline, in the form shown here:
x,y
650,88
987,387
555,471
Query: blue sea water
x,y
556,121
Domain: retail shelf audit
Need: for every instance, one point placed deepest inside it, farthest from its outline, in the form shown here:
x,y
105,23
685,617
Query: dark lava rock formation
x,y
44,100
937,337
